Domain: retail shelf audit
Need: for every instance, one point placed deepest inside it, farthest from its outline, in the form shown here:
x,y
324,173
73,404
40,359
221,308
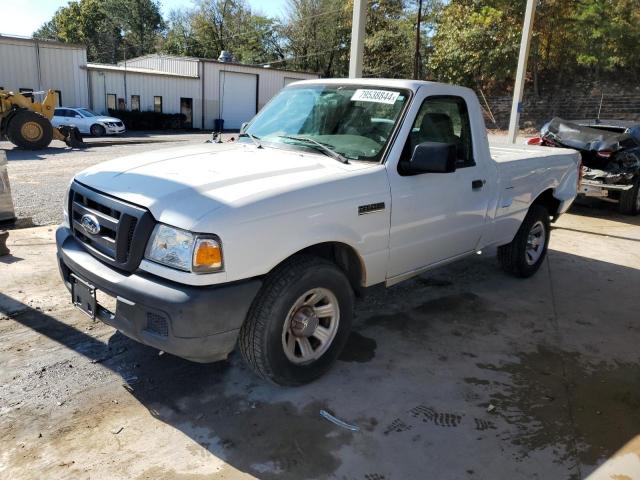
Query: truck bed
x,y
505,153
522,169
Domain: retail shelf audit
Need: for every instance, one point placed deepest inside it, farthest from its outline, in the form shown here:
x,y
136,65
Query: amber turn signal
x,y
207,255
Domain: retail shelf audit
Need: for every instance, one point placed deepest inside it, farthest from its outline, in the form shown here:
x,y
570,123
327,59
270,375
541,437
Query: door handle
x,y
478,184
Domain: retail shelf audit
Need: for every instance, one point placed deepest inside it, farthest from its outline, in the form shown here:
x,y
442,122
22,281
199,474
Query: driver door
x,y
437,216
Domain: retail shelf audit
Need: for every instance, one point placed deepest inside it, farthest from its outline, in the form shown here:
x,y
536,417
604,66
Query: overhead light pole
x,y
518,89
358,27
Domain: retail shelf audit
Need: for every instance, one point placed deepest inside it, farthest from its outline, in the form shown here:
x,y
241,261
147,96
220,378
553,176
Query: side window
x,y
443,119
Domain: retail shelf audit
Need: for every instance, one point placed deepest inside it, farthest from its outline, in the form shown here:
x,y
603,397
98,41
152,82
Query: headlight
x,y
184,250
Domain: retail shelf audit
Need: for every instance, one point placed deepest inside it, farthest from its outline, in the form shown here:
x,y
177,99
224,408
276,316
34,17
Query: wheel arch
x,y
549,201
343,255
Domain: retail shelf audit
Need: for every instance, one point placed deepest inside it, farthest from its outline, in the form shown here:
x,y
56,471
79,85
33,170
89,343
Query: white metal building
x,y
34,65
202,89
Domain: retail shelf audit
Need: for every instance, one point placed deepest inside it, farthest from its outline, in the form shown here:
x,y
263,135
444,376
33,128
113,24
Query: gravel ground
x,y
39,179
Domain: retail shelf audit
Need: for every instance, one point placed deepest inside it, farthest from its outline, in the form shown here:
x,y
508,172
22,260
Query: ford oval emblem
x,y
90,224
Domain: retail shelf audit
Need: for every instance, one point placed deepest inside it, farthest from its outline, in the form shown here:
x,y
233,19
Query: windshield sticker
x,y
376,96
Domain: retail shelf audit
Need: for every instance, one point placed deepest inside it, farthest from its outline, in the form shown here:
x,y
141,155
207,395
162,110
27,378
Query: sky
x,y
28,15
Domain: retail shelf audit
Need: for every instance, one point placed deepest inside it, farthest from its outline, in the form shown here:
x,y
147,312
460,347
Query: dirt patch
x,y
558,399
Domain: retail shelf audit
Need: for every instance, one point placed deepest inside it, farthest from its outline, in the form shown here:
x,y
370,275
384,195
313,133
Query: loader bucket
x,y
69,135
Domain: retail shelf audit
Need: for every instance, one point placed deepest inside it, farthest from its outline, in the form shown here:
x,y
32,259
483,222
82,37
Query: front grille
x,y
124,229
118,124
157,324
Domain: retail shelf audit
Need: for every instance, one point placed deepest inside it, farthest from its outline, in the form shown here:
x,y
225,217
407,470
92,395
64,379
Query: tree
x,y
218,25
389,42
100,25
475,45
316,36
180,38
85,22
140,22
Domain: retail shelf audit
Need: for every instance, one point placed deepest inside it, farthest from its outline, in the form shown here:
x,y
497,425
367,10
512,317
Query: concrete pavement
x,y
461,373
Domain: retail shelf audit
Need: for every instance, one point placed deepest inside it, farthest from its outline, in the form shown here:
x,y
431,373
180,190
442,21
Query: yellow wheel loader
x,y
27,123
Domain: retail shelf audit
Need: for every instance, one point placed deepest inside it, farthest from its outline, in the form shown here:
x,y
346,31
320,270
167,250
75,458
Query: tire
x,y
284,298
630,199
97,130
516,258
30,130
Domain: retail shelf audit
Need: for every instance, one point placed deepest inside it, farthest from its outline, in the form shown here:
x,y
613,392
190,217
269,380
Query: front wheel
x,y
30,130
299,323
97,130
526,252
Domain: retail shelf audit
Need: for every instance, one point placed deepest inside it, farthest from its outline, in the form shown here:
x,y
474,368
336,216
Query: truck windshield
x,y
353,121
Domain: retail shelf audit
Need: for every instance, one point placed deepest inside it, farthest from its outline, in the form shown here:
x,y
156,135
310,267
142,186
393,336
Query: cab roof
x,y
377,82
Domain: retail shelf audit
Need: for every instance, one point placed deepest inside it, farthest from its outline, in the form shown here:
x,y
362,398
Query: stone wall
x,y
580,102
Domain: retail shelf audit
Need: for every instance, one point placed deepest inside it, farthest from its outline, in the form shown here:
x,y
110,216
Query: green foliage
x,y
471,42
140,22
474,45
110,29
390,37
316,36
217,25
477,43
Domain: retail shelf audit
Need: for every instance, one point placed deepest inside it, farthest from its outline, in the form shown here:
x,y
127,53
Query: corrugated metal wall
x,y
61,68
170,88
166,63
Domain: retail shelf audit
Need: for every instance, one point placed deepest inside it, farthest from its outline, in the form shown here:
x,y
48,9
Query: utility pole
x,y
124,49
416,61
518,89
358,27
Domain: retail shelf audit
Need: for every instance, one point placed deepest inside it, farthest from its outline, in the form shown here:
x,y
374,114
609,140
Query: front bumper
x,y
197,323
114,130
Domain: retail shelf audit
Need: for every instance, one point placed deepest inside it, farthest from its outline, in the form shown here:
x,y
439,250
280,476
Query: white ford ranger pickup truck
x,y
334,186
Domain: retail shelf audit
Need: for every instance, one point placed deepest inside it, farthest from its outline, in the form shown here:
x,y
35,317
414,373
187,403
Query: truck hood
x,y
182,185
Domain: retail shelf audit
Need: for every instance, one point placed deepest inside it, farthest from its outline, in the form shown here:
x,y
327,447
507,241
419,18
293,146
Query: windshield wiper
x,y
325,149
254,139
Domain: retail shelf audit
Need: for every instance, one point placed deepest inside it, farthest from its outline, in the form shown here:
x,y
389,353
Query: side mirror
x,y
243,126
433,157
77,116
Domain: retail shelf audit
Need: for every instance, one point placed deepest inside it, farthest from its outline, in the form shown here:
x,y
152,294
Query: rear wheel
x,y
30,130
630,199
97,130
526,252
299,323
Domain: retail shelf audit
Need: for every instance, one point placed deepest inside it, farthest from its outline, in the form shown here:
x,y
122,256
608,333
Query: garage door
x,y
239,98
